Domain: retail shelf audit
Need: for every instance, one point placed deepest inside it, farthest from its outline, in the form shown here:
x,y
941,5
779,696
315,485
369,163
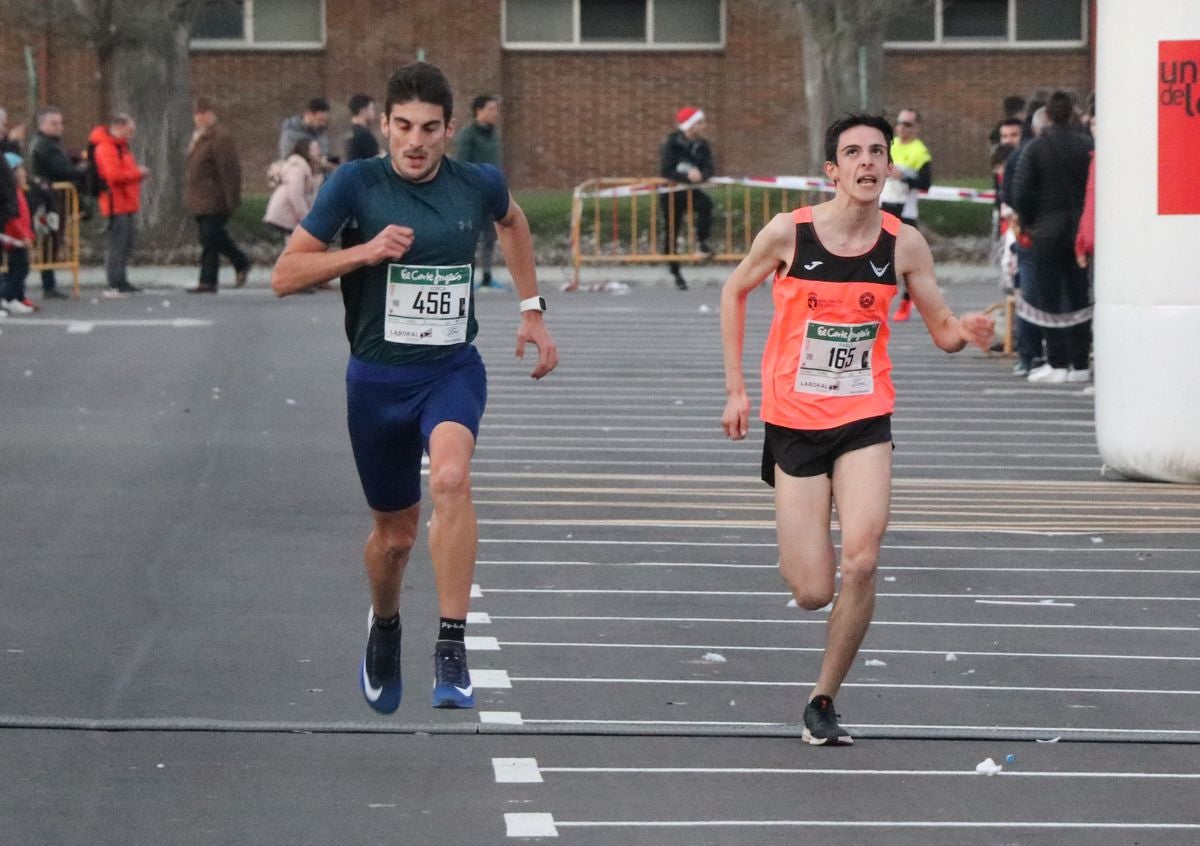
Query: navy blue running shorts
x,y
392,410
812,452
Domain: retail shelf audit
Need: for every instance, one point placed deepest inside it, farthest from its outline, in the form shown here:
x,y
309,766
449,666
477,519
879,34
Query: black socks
x,y
452,629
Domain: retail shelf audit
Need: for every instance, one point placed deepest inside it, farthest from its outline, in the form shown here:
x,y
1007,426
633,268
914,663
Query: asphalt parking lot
x,y
181,600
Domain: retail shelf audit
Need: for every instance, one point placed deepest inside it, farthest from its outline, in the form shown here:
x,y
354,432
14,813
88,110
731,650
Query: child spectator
x,y
18,242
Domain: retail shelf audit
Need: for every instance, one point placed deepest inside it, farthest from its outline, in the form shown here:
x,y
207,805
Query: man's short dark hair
x,y
359,102
835,130
203,104
422,82
1013,103
1060,108
317,104
1013,121
481,102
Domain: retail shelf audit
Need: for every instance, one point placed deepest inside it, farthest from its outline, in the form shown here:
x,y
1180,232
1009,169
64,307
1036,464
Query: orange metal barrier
x,y
624,221
57,247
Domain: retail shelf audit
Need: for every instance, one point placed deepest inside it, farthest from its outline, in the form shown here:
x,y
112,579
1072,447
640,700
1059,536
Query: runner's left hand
x,y
977,329
533,331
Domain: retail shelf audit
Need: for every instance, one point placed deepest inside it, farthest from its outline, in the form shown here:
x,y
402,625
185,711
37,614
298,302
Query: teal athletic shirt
x,y
422,306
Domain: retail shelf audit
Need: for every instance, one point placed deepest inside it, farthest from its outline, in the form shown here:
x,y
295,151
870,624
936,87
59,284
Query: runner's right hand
x,y
736,419
392,242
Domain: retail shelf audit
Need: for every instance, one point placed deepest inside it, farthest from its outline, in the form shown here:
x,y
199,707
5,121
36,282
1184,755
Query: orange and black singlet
x,y
826,362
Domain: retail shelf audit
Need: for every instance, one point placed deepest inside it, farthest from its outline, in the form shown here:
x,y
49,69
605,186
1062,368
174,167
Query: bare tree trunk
x,y
150,81
843,61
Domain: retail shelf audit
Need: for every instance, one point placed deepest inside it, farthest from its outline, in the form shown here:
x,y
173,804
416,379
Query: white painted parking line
x,y
942,730
743,683
809,621
1095,550
699,647
1055,600
85,326
478,618
967,773
530,825
482,644
516,771
554,825
491,679
476,592
718,565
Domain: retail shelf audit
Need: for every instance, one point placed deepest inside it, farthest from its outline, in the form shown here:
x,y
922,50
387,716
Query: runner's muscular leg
x,y
453,532
386,556
806,559
862,484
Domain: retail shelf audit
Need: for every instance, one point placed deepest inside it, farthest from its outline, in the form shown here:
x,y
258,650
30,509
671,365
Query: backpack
x,y
93,183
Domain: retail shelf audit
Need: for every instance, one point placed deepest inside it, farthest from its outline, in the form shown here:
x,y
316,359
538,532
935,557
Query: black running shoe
x,y
821,724
379,677
451,678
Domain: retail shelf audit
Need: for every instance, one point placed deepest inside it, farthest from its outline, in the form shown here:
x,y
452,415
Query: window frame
x,y
248,43
1009,42
578,45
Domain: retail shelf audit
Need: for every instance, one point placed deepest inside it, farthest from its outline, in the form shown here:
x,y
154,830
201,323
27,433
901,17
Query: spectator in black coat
x,y
1048,194
686,157
49,163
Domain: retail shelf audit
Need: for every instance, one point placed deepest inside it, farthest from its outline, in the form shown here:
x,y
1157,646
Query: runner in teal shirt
x,y
415,383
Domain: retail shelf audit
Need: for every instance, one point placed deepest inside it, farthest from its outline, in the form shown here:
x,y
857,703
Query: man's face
x,y
317,120
51,125
1010,134
203,120
695,130
489,114
907,125
862,163
417,135
125,131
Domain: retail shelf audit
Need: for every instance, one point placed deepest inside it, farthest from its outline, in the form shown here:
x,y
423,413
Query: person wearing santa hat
x,y
686,158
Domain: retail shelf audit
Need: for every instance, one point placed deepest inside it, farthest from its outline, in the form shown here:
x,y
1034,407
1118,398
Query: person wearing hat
x,y
686,158
18,242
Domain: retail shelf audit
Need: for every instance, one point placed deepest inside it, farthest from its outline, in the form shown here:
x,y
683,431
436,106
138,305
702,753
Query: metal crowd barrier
x,y
56,239
622,220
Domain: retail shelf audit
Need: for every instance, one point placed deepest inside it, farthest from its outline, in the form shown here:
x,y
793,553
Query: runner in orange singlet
x,y
827,388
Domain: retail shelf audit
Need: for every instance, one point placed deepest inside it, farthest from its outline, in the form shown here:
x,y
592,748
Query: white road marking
x,y
936,824
491,679
516,771
170,323
482,644
503,718
478,618
841,772
476,592
530,825
966,688
700,647
538,562
807,621
982,598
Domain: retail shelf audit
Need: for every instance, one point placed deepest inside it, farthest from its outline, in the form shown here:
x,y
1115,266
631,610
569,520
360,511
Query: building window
x,y
990,23
271,24
613,24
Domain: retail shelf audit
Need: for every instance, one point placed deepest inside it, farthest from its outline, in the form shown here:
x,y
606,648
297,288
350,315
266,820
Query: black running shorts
x,y
812,452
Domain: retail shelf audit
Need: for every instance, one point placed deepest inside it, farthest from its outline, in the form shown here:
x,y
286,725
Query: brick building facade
x,y
573,111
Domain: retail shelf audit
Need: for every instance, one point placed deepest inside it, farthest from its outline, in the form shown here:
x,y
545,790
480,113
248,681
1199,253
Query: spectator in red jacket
x,y
120,197
18,243
1085,237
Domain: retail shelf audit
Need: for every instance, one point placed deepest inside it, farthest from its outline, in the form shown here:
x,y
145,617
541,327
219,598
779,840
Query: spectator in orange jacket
x,y
120,196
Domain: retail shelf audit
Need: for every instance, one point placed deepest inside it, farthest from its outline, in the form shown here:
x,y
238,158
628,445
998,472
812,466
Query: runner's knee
x,y
859,562
397,540
449,481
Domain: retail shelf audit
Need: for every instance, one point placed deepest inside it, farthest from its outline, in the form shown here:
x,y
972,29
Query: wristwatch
x,y
533,304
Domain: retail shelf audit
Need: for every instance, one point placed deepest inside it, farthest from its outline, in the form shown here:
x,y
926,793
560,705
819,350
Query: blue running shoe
x,y
451,680
379,676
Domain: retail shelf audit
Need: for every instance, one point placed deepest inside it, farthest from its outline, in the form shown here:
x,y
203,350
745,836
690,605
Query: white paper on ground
x,y
988,767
